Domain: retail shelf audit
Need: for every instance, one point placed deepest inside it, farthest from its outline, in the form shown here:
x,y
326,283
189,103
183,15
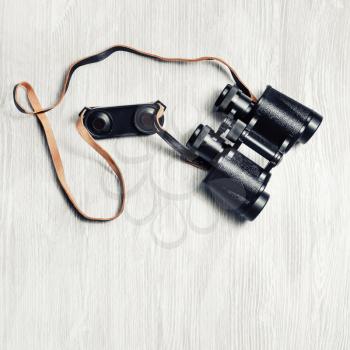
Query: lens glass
x,y
100,122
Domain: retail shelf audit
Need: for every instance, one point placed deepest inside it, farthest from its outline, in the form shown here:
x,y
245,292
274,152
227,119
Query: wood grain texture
x,y
174,272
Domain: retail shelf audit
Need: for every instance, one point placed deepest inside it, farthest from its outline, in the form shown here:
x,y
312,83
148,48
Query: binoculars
x,y
269,126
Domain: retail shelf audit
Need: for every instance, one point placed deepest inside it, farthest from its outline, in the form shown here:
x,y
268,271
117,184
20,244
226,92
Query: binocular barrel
x,y
274,116
234,180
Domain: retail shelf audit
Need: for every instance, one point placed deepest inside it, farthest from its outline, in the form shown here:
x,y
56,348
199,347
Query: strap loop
x,y
57,161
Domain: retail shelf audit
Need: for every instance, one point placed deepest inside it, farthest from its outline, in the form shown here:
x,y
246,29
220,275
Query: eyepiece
x,y
233,100
205,143
218,103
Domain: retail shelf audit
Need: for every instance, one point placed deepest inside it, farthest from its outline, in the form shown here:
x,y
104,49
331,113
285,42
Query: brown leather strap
x,y
39,112
57,161
116,48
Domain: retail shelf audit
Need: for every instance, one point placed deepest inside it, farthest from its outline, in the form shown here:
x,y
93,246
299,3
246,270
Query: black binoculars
x,y
270,126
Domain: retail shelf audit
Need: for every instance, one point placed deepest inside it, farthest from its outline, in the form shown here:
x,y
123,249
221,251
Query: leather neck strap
x,y
39,112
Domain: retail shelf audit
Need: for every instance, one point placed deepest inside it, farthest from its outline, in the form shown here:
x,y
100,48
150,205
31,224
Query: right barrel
x,y
238,184
295,120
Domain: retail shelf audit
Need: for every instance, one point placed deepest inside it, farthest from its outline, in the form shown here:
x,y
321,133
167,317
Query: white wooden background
x,y
173,272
